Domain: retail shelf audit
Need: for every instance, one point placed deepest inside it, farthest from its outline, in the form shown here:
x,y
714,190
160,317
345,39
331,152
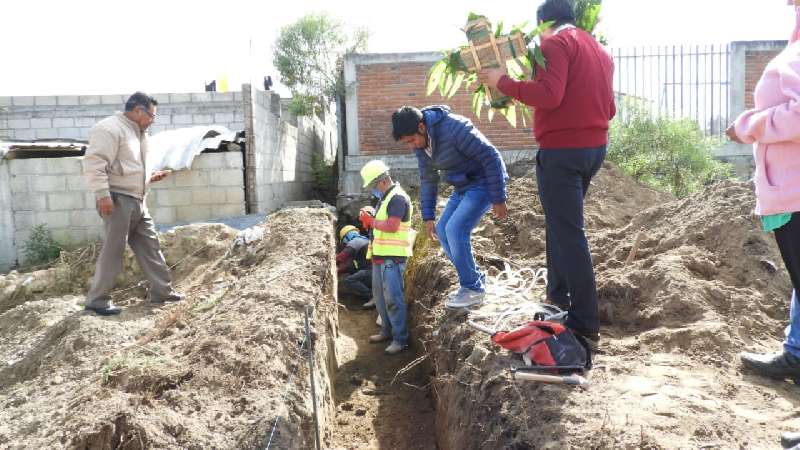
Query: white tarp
x,y
176,149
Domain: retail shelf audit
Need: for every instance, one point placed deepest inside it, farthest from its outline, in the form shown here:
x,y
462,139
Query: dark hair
x,y
140,99
405,122
557,11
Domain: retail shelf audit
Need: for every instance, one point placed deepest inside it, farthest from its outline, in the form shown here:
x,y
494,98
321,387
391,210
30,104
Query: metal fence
x,y
679,80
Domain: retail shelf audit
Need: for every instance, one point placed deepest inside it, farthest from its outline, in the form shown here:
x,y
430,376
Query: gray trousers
x,y
129,223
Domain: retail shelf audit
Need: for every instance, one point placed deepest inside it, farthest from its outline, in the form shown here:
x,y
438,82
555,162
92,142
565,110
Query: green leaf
x,y
472,16
538,30
447,85
490,114
434,75
514,69
538,56
527,61
456,84
499,31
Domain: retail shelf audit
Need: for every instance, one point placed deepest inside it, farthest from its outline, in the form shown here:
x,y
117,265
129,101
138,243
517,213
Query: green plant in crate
x,y
522,57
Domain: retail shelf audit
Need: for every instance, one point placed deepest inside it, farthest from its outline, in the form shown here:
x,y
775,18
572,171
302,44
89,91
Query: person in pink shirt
x,y
773,127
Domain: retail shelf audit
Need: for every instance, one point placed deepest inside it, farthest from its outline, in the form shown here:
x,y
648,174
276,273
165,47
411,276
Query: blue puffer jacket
x,y
463,153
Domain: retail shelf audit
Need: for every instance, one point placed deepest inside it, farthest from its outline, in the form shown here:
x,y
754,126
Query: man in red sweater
x,y
573,101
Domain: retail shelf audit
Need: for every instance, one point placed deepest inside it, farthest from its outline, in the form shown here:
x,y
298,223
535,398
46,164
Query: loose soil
x,y
705,284
220,370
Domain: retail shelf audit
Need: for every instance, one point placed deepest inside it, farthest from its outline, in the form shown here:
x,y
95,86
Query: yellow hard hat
x,y
346,229
372,170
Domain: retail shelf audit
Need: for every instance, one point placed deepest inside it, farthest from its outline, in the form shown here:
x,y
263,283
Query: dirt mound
x,y
219,370
704,284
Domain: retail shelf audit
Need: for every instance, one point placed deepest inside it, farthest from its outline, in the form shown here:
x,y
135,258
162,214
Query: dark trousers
x,y
359,283
563,177
788,239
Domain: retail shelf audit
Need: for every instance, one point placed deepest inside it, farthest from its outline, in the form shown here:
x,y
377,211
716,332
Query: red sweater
x,y
573,98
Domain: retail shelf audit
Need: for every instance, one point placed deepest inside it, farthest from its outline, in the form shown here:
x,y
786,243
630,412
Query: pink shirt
x,y
773,127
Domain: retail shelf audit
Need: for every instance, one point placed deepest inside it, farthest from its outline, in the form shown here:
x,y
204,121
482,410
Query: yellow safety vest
x,y
399,243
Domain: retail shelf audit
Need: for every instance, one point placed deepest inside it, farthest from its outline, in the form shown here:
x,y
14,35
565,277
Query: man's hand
x,y
731,132
105,206
500,210
159,175
490,77
430,227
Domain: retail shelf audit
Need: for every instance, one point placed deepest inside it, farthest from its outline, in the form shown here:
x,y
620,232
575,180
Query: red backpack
x,y
547,345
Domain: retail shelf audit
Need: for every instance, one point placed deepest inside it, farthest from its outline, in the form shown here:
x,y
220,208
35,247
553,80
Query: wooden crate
x,y
486,51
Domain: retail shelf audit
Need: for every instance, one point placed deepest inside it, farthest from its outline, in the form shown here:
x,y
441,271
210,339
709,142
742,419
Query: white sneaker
x,y
453,294
395,348
369,305
375,338
379,321
465,298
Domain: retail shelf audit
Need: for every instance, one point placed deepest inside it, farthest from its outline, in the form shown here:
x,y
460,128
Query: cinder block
x,y
182,119
23,101
234,160
71,133
228,211
201,97
180,98
170,197
163,119
67,100
223,117
84,218
155,129
41,123
228,177
48,183
5,101
166,183
53,219
20,238
209,196
203,119
69,236
65,201
95,233
46,101
186,178
19,184
89,99
206,161
193,213
24,220
63,122
236,126
46,133
117,100
16,124
84,122
235,195
25,135
64,166
163,216
33,166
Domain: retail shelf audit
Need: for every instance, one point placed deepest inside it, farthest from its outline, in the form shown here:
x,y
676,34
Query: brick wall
x,y
71,117
755,62
382,88
53,191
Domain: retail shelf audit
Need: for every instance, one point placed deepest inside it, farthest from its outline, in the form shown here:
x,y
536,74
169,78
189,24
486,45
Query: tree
x,y
309,53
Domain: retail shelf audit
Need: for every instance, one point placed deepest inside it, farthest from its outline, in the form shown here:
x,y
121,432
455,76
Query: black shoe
x,y
111,310
171,297
777,365
790,439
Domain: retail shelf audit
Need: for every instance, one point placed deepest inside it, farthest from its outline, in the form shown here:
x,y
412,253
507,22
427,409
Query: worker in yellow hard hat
x,y
352,263
391,244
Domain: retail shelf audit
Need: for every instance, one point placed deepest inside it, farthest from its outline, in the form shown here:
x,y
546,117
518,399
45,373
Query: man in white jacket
x,y
116,171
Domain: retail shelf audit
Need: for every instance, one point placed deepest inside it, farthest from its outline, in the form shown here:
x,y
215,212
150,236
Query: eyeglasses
x,y
149,114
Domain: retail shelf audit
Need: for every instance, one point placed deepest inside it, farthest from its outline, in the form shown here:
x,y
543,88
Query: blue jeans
x,y
462,213
387,290
792,342
358,284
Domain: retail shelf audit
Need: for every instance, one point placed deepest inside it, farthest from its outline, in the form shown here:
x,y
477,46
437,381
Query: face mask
x,y
377,193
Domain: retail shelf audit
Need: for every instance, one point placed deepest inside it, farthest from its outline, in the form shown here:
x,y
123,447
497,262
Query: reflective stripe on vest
x,y
399,243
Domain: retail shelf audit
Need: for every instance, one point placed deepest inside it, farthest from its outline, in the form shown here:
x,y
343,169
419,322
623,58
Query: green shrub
x,y
41,248
302,105
668,154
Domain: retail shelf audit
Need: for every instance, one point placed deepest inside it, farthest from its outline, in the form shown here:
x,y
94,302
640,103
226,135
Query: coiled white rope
x,y
510,299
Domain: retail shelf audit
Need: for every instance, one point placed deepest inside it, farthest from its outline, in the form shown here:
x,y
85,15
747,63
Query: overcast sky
x,y
112,47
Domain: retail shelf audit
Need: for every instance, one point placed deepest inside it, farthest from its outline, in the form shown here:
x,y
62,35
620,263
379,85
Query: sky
x,y
57,47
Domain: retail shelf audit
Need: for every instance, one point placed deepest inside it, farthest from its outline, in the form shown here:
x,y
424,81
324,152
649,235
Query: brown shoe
x,y
378,338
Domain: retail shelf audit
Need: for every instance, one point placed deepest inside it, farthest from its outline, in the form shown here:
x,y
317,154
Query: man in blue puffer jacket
x,y
448,142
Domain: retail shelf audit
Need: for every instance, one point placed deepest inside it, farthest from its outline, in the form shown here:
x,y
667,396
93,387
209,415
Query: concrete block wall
x,y
71,117
53,191
282,151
